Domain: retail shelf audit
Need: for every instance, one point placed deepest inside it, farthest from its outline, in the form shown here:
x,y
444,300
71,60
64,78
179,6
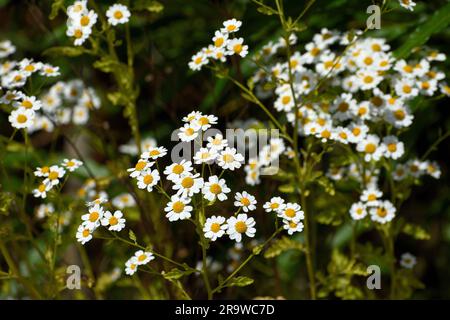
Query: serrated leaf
x,y
132,236
281,245
435,23
240,281
64,51
176,274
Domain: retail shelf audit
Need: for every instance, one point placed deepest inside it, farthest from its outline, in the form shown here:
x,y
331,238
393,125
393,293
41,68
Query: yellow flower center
x,y
187,182
368,61
41,187
231,27
315,52
245,202
376,47
399,114
274,205
343,107
289,213
113,221
286,99
140,165
381,212
178,207
155,152
148,179
215,227
84,21
178,169
392,147
325,134
86,233
70,163
189,131
203,121
371,197
53,175
29,68
142,257
368,79
21,118
228,158
78,34
237,48
215,188
118,14
218,42
408,69
407,89
93,216
370,148
240,226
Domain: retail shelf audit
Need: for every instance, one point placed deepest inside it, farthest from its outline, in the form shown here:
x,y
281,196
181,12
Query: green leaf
x,y
329,217
5,202
106,64
56,7
64,51
281,245
437,22
415,231
286,188
176,274
149,5
132,236
240,281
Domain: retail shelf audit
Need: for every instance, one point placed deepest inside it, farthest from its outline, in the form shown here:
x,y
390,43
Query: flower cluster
x,y
52,176
224,44
81,20
290,212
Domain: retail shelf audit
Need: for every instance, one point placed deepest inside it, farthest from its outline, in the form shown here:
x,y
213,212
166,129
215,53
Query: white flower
x,y
236,226
215,188
192,116
55,173
148,179
188,185
400,172
416,167
77,8
113,220
176,170
85,20
84,234
406,88
80,115
198,61
178,209
392,147
383,213
72,164
433,169
154,153
399,116
275,204
245,200
6,48
131,266
188,132
26,102
291,212
123,200
407,4
214,227
230,26
99,199
220,39
118,14
143,257
370,196
48,70
21,118
141,166
358,211
407,260
230,159
41,190
205,155
292,226
44,210
371,147
217,142
236,46
80,34
204,122
93,218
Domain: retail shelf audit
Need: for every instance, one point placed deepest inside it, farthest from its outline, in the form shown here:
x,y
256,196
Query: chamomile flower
x,y
10,96
204,122
21,118
131,266
48,70
77,8
237,226
217,142
383,212
98,198
291,212
400,172
215,188
154,153
6,48
198,61
407,4
118,14
115,220
28,66
292,226
416,168
178,208
398,116
370,196
93,218
230,159
188,184
433,169
44,210
230,26
143,257
214,227
85,19
406,88
407,260
188,132
80,115
72,164
371,148
84,234
245,200
41,190
54,175
220,39
79,33
141,166
236,46
205,155
342,107
393,148
176,170
123,200
358,211
148,179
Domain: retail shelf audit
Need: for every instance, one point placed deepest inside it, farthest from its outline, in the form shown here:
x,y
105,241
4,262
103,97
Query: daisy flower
x,y
406,88
245,200
358,211
72,164
400,172
41,190
178,209
392,147
80,115
204,122
291,212
205,155
399,116
86,19
198,61
28,66
230,159
118,14
123,200
188,184
21,118
84,234
342,107
42,171
113,220
98,200
433,169
80,34
6,48
77,8
131,266
407,4
176,170
214,227
93,218
143,257
141,166
148,179
407,260
416,168
192,116
236,46
44,210
383,212
292,226
154,153
220,39
370,196
371,147
54,175
231,25
215,188
236,226
48,70
217,142
188,132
